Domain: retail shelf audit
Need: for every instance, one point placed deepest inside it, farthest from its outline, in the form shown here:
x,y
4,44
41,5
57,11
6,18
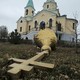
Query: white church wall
x,y
22,23
67,37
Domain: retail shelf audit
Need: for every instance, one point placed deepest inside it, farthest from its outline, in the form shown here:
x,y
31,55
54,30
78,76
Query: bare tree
x,y
3,32
76,32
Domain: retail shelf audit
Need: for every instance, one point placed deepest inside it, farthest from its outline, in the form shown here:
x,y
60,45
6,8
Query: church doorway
x,y
42,25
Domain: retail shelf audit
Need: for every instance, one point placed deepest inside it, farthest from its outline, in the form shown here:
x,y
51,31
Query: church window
x,y
20,29
21,21
36,24
32,12
27,12
42,25
58,26
73,25
29,27
47,6
50,23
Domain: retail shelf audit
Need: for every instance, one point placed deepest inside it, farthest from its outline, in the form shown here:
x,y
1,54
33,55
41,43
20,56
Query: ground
x,y
66,61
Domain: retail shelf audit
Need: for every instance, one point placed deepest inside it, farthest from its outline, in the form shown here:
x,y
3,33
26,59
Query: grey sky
x,y
12,10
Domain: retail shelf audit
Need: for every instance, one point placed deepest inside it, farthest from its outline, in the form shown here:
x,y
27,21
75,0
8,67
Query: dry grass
x,y
17,51
67,62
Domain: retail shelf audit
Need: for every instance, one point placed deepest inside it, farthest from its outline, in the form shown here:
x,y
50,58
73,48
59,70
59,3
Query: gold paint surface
x,y
45,39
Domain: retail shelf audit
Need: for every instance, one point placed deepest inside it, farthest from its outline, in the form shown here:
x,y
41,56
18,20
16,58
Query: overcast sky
x,y
12,10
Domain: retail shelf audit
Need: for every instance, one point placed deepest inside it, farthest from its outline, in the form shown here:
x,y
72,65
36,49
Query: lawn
x,y
66,61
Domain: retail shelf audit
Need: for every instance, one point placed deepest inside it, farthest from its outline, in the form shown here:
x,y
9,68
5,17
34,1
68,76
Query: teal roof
x,y
30,4
50,0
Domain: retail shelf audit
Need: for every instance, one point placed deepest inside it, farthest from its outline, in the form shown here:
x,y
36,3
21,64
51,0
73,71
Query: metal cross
x,y
27,65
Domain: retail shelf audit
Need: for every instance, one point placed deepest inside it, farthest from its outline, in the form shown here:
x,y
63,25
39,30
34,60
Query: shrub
x,y
15,37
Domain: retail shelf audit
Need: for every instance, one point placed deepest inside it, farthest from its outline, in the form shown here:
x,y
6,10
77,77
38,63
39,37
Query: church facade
x,y
63,27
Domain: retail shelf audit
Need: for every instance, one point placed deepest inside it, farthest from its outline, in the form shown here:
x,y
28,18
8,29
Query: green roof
x,y
50,0
30,4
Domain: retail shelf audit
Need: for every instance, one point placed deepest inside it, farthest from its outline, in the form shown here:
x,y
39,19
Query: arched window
x,y
32,12
21,21
35,26
27,12
42,25
20,29
47,6
73,25
29,27
58,26
50,23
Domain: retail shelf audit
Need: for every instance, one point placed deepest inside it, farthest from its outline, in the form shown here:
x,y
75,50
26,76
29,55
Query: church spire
x,y
30,4
29,9
50,0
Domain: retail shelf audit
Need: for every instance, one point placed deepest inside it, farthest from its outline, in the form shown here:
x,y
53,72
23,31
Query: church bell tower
x,y
50,5
29,9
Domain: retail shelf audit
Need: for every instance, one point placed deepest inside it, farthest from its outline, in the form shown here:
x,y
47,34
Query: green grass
x,y
66,61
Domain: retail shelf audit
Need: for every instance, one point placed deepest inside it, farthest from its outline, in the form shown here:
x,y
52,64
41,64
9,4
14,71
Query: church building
x,y
48,17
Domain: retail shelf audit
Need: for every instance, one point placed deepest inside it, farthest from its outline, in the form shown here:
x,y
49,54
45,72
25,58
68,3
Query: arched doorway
x,y
42,25
50,23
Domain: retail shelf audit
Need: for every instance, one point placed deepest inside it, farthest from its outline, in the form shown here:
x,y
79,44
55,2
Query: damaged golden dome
x,y
46,39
